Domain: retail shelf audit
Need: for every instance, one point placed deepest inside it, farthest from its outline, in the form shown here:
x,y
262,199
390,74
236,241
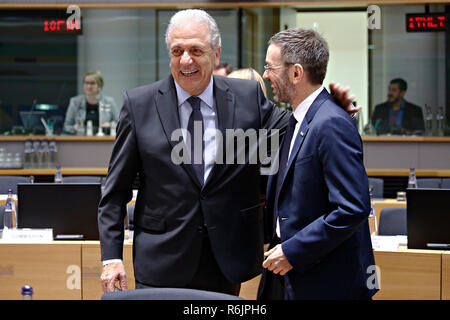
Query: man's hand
x,y
111,273
340,95
276,261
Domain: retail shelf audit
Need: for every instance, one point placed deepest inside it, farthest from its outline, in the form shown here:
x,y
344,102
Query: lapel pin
x,y
301,133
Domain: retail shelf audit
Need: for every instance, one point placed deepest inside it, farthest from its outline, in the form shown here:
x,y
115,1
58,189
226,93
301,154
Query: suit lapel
x,y
167,106
304,127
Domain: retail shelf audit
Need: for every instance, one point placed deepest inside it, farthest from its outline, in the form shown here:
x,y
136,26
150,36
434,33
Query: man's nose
x,y
185,58
265,75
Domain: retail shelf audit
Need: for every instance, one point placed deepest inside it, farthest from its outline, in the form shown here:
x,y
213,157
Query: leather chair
x,y
445,183
377,187
434,183
82,179
168,294
130,213
10,182
392,222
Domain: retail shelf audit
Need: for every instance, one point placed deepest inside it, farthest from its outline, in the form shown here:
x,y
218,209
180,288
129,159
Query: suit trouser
x,y
208,275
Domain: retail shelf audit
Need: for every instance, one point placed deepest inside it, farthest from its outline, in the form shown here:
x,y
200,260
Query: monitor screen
x,y
70,209
31,120
428,218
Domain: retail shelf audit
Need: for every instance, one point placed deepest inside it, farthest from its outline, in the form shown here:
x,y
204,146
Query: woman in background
x,y
90,106
249,74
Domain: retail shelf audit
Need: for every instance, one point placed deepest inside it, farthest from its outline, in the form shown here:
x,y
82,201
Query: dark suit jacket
x,y
323,207
412,119
171,202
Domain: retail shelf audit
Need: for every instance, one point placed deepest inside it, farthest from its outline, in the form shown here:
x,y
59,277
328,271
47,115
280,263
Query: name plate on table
x,y
388,243
27,235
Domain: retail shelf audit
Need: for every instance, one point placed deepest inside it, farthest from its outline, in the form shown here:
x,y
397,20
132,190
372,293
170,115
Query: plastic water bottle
x,y
81,130
89,128
412,181
13,208
27,293
113,129
9,221
53,154
40,156
35,154
372,213
27,154
441,119
58,174
45,157
428,120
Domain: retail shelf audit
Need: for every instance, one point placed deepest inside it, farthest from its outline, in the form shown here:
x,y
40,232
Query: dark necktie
x,y
196,115
283,159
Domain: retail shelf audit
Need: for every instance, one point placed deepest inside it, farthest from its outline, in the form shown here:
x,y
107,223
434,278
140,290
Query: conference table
x,y
70,270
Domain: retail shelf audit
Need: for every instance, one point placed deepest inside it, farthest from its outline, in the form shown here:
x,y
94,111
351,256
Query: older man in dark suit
x,y
197,224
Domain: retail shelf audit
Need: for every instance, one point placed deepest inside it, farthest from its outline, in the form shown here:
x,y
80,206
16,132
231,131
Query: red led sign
x,y
60,25
426,22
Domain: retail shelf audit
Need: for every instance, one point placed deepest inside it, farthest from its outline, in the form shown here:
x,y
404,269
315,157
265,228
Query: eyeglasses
x,y
92,83
268,67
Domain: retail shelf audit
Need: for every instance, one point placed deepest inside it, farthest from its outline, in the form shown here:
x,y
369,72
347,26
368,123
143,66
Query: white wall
x,y
347,37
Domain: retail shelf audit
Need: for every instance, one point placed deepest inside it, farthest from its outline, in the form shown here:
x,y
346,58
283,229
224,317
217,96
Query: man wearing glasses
x,y
319,198
196,225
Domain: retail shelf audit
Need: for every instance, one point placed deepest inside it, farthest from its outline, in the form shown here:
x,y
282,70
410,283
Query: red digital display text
x,y
426,22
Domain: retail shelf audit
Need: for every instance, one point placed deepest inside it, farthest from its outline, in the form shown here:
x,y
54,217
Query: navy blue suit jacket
x,y
323,208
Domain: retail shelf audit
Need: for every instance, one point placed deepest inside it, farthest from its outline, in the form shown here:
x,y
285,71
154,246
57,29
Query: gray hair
x,y
306,47
199,16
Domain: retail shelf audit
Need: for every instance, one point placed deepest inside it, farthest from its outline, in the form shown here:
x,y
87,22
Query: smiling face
x,y
192,58
277,74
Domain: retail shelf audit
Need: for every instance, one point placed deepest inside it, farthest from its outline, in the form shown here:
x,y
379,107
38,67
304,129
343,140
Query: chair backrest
x,y
377,186
168,294
130,211
434,183
82,179
10,182
392,222
445,183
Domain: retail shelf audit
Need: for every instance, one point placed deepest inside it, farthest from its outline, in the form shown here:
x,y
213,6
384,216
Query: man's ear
x,y
217,57
298,73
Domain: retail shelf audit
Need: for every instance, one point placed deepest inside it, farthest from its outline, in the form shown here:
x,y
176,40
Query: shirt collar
x,y
302,108
206,96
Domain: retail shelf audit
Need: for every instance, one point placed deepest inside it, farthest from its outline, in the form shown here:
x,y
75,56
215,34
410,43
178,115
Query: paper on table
x,y
388,243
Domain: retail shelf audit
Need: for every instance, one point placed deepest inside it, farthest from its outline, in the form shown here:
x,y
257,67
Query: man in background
x,y
397,116
223,69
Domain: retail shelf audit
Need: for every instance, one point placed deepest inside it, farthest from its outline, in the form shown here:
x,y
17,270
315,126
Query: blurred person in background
x,y
92,105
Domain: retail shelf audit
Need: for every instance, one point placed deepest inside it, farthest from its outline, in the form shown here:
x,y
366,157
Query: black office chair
x,y
377,187
2,213
168,294
130,212
392,222
445,183
10,182
434,183
82,179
